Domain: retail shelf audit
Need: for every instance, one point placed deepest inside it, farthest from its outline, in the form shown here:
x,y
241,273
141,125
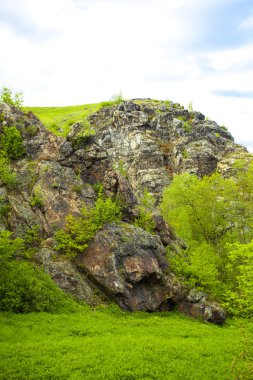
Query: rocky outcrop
x,y
128,148
128,265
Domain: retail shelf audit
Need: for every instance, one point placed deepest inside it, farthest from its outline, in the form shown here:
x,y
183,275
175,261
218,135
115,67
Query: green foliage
x,y
120,169
59,120
239,272
32,240
4,207
84,136
187,127
36,199
109,344
13,99
145,213
190,107
7,177
31,130
11,143
80,230
224,128
184,153
23,287
214,216
9,247
115,100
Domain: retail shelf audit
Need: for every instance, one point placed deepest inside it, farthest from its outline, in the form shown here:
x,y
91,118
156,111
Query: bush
x,y
7,177
145,208
23,287
239,272
36,200
11,143
13,99
78,231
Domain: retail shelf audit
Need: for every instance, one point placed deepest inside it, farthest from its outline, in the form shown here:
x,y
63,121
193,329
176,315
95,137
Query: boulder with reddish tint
x,y
127,263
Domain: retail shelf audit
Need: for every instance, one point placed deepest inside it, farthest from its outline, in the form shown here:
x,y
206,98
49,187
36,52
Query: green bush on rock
x,y
23,286
11,143
78,231
13,99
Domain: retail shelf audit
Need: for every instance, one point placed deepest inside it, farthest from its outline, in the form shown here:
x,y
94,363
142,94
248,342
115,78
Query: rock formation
x,y
139,144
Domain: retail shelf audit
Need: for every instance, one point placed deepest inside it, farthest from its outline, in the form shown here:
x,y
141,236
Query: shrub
x,y
36,200
190,107
239,273
115,100
13,99
7,177
11,143
145,220
80,230
23,286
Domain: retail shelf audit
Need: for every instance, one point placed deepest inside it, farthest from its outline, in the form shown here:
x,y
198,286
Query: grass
x,y
60,119
111,344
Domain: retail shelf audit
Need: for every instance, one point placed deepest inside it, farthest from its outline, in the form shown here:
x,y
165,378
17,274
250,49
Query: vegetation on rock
x,y
24,287
214,215
13,99
78,231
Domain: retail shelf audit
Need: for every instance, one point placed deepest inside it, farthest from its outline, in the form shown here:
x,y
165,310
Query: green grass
x,y
110,344
60,119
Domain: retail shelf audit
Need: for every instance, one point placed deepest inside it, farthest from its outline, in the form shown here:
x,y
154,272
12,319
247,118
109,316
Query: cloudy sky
x,y
68,52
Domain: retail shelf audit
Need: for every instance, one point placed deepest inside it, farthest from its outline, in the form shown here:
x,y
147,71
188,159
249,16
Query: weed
x,y
36,200
13,99
190,107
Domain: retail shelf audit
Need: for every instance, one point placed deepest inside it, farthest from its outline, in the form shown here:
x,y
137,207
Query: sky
x,y
70,52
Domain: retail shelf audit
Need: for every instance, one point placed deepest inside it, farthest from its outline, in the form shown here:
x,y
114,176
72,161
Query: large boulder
x,y
129,266
128,263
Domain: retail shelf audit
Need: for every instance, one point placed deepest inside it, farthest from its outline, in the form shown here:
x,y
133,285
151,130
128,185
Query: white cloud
x,y
247,23
97,48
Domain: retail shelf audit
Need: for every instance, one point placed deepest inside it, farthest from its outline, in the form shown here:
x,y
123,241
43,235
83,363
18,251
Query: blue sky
x,y
66,52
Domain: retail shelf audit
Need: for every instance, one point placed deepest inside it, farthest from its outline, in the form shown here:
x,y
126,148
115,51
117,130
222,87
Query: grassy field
x,y
110,344
60,119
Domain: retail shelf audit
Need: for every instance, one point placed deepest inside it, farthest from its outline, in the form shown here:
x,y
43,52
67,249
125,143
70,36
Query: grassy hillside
x,y
110,344
60,119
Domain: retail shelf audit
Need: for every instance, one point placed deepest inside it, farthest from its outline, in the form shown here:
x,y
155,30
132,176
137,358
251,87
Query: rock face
x,y
129,265
135,146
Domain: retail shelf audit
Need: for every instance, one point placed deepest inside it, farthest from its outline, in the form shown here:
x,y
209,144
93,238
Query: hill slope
x,y
129,148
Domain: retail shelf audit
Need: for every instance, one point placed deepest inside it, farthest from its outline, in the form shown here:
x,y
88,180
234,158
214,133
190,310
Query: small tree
x,y
13,99
11,143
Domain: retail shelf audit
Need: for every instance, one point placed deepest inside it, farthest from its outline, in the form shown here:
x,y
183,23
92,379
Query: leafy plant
x,y
214,215
36,200
11,143
7,177
78,231
115,100
13,99
190,107
145,208
23,286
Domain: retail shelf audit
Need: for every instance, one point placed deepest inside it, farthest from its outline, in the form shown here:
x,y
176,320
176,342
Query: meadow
x,y
107,343
60,119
